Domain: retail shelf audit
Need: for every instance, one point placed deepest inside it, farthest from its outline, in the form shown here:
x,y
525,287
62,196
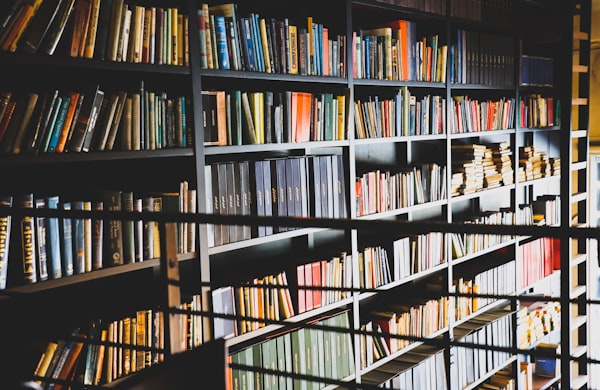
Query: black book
x,y
341,187
102,31
269,195
86,119
269,130
39,26
258,195
113,230
10,135
233,199
128,226
97,236
223,200
290,188
57,27
314,179
215,202
148,229
246,198
278,184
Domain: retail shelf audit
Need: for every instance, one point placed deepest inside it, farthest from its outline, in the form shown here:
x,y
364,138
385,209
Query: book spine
x,y
5,228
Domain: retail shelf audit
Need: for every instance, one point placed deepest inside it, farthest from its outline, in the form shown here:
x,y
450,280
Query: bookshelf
x,y
313,112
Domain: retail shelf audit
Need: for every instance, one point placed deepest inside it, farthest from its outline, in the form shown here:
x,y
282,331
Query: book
x,y
42,367
38,130
5,234
14,123
128,226
53,241
53,135
86,120
40,24
66,234
22,130
97,236
113,231
75,101
78,240
223,303
57,27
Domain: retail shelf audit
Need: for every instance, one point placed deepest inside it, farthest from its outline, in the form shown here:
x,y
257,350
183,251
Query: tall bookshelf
x,y
489,56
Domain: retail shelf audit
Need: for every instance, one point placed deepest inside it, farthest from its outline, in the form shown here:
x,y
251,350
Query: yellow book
x,y
44,362
257,108
265,44
90,42
180,48
341,117
174,37
293,40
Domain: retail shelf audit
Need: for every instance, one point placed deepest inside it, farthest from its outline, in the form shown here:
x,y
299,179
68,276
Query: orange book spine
x,y
64,134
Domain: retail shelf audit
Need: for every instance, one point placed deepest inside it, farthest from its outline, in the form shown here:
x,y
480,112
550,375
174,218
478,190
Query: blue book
x,y
260,57
222,47
67,243
53,240
55,112
59,124
367,55
247,47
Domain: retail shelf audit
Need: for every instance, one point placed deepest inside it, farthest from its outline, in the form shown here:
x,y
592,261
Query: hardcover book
x,y
113,230
53,240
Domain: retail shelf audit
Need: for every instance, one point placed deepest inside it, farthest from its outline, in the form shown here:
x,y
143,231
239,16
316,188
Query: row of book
x,y
480,166
471,115
536,70
535,320
393,51
536,111
106,30
267,44
421,368
305,186
404,115
481,58
107,350
537,259
264,298
468,243
414,319
418,253
468,364
57,121
263,117
35,249
325,352
380,191
498,280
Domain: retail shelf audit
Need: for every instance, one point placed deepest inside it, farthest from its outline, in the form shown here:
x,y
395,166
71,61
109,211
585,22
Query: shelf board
x,y
482,192
275,77
386,140
477,254
481,133
240,149
536,181
261,240
493,305
535,129
403,210
397,83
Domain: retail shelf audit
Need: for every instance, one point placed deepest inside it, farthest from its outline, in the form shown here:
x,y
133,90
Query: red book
x,y
301,290
308,282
